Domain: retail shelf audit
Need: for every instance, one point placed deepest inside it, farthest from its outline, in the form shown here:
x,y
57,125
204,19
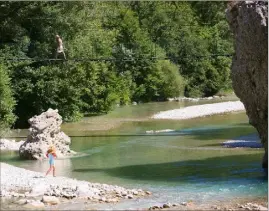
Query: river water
x,y
182,164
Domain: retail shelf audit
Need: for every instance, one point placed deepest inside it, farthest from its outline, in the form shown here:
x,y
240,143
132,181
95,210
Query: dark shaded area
x,y
211,169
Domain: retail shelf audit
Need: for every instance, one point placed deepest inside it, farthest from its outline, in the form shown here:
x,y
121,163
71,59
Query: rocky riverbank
x,y
232,205
178,99
201,110
33,190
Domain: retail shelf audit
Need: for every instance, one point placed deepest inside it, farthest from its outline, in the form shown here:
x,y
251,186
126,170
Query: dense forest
x,y
134,34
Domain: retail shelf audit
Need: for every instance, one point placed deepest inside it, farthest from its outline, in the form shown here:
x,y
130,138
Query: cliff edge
x,y
248,21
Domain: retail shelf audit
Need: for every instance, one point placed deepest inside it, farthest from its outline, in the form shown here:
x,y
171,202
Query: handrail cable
x,y
120,59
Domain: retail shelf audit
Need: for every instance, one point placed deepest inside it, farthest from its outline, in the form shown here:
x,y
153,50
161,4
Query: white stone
x,y
50,200
135,192
184,203
200,110
38,190
130,196
34,205
21,201
124,193
262,208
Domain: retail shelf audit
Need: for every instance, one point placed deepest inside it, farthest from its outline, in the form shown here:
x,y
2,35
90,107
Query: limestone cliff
x,y
249,23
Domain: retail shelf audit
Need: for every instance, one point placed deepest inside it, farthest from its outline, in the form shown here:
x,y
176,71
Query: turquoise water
x,y
185,164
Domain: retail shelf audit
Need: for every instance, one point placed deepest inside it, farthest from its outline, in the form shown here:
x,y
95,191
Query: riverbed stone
x,y
184,203
124,193
21,201
148,192
130,196
166,205
50,200
135,192
262,208
38,190
34,205
45,131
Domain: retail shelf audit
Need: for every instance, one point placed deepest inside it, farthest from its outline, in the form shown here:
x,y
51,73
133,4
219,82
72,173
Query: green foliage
x,y
130,32
188,31
7,102
168,82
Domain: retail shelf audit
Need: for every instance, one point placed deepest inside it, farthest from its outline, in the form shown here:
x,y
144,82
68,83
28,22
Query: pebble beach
x,y
23,184
201,110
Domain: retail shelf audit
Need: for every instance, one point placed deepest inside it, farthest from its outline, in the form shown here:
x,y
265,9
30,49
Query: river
x,y
183,164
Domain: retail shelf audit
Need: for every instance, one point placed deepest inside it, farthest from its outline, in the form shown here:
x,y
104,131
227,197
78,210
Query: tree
x,y
7,101
133,34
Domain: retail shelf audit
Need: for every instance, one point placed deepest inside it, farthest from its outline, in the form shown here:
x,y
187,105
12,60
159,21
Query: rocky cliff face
x,y
45,130
249,23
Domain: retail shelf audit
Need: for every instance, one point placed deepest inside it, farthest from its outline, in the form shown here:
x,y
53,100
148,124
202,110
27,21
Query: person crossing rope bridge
x,y
60,48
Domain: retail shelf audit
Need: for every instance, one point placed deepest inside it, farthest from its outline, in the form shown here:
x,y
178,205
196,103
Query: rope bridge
x,y
113,59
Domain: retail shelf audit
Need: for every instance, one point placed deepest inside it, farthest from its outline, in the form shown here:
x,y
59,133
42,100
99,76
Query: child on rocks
x,y
51,154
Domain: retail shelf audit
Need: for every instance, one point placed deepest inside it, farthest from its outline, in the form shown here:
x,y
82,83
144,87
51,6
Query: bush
x,y
164,82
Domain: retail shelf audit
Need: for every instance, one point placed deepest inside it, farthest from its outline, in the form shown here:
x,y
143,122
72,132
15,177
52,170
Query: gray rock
x,y
124,193
135,192
249,23
15,194
262,208
39,190
50,200
45,130
130,196
21,201
114,200
103,199
34,205
166,205
184,203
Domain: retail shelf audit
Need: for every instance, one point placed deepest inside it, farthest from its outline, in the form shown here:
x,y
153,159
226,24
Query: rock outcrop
x,y
249,23
45,130
10,145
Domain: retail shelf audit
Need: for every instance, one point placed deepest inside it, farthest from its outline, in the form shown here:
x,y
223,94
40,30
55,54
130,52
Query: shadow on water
x,y
247,167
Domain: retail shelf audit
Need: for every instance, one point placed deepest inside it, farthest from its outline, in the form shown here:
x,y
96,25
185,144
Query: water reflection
x,y
63,166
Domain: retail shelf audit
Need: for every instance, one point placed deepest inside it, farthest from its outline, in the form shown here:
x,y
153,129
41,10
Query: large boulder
x,y
45,130
249,23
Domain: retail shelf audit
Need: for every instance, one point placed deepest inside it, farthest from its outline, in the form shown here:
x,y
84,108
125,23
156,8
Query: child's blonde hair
x,y
51,149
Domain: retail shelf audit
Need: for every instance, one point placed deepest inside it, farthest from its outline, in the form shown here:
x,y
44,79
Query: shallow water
x,y
187,163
